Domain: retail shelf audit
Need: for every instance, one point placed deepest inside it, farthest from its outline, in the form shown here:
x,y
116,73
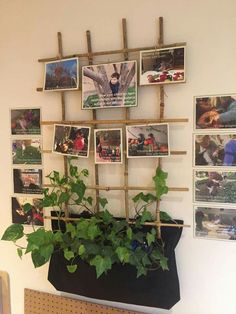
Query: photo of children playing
x,y
215,112
61,75
26,151
217,187
215,150
71,140
27,181
108,146
162,66
25,121
109,85
215,223
147,140
33,216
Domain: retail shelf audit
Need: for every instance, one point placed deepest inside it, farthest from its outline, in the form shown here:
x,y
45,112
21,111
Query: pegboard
x,y
36,302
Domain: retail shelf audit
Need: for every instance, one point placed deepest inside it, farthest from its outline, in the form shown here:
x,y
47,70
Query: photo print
x,y
215,223
151,140
27,181
215,186
25,121
61,75
109,85
71,140
218,149
33,216
108,146
215,112
26,151
162,66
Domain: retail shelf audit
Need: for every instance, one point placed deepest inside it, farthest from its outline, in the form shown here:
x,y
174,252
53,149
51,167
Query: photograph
x,y
109,85
215,223
150,140
109,147
26,151
215,186
61,75
215,112
162,66
32,217
217,149
71,140
27,181
25,121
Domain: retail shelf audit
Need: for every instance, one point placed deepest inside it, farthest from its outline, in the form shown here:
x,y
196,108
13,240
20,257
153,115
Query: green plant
x,y
99,239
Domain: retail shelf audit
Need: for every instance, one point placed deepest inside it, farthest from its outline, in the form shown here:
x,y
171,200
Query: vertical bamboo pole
x,y
127,116
63,110
90,59
161,116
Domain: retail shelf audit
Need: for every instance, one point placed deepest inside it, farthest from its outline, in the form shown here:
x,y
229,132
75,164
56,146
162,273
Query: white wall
x,y
28,31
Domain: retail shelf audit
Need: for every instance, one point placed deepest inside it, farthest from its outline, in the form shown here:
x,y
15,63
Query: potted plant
x,y
97,239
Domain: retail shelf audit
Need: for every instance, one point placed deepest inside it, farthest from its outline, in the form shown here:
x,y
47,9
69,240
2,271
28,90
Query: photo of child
x,y
25,121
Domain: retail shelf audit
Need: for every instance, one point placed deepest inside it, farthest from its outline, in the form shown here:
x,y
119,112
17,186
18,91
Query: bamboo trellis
x,y
125,121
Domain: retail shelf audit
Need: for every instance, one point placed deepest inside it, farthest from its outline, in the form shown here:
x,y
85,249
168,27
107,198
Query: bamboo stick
x,y
111,52
172,152
128,188
127,117
117,121
94,114
154,223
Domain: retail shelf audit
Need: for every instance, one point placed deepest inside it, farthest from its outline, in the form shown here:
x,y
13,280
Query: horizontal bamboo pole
x,y
120,121
154,223
172,152
125,188
111,52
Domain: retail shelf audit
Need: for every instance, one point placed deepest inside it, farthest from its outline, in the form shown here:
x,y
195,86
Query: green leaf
x,y
164,216
38,260
78,188
68,254
106,216
102,264
141,271
123,254
72,229
89,200
137,197
150,238
13,233
46,251
129,233
81,249
73,171
27,207
93,232
85,172
71,268
102,201
63,198
19,252
163,263
160,183
146,216
58,236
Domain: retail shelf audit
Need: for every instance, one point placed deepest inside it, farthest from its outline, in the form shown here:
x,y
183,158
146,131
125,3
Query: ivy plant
x,y
98,238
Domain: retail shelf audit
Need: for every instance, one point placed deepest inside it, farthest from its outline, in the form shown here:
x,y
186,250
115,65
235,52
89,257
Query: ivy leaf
x,y
106,216
89,200
102,201
160,183
150,238
71,268
72,229
85,172
141,270
68,254
19,252
163,263
123,254
102,264
63,198
164,216
146,216
58,236
13,233
137,197
46,251
73,171
93,231
78,188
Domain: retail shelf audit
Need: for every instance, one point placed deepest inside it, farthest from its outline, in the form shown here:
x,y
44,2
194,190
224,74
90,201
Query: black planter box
x,y
157,289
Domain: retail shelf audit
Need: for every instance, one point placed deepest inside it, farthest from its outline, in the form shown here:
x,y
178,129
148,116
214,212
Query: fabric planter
x,y
157,289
